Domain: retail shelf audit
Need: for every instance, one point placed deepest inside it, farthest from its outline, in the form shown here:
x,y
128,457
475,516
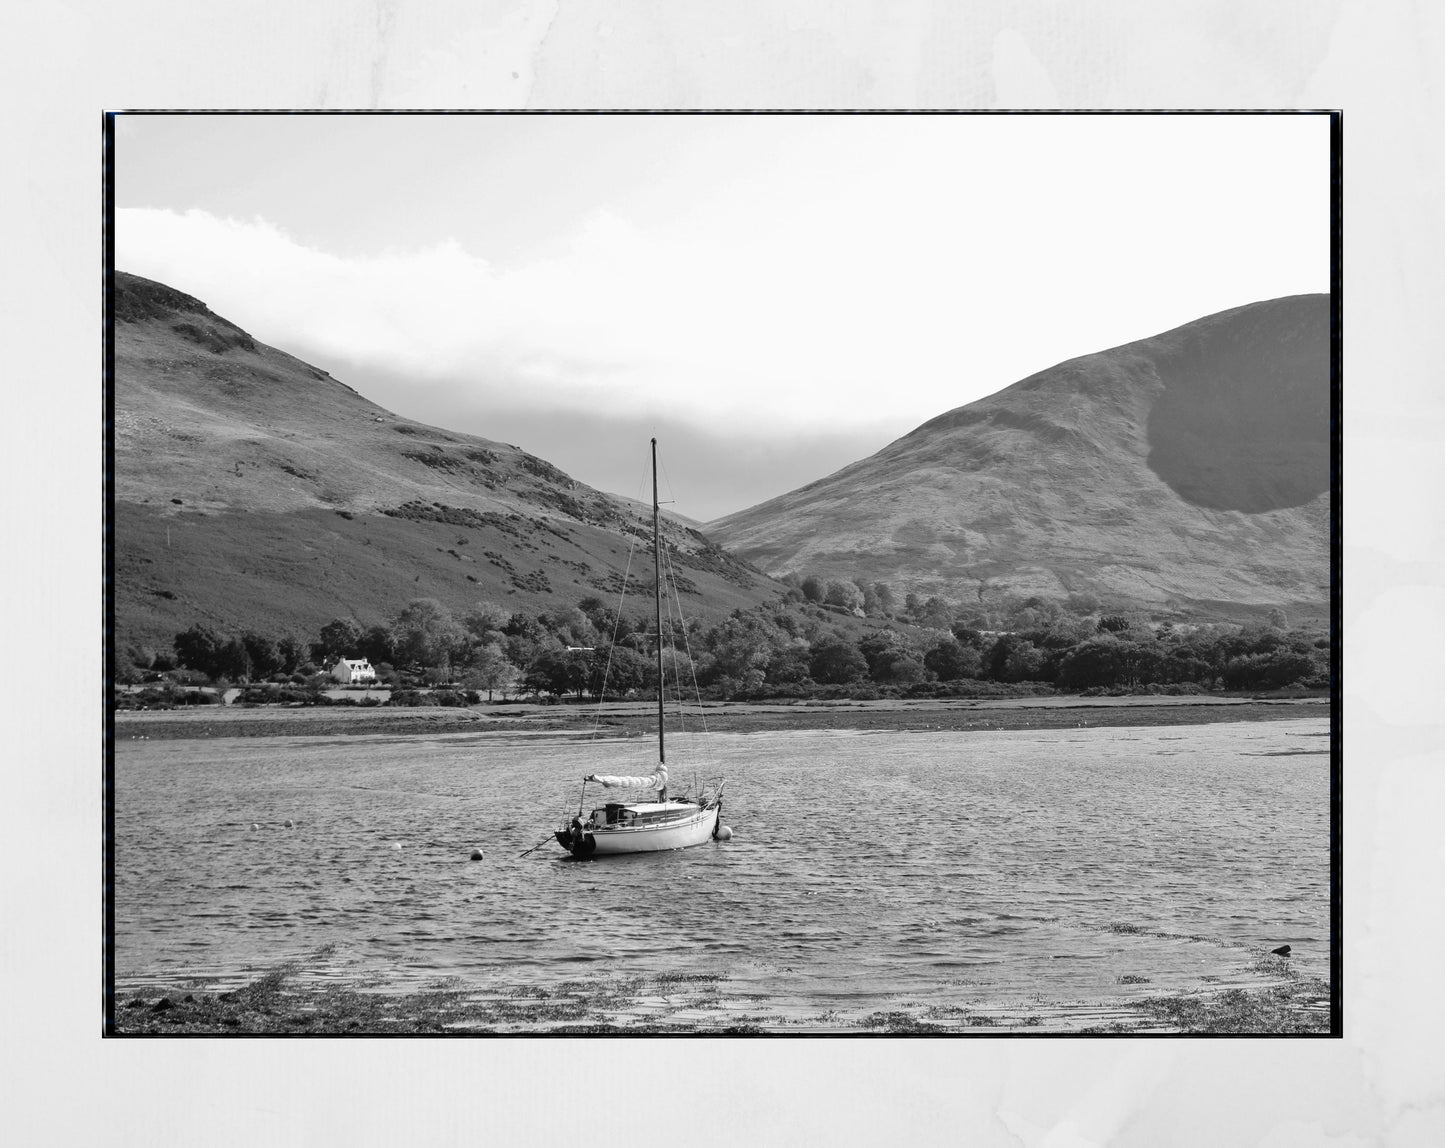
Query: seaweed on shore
x,y
1290,1008
284,1001
292,999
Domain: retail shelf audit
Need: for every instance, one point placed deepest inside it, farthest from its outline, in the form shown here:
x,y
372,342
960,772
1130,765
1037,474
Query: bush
x,y
987,689
780,690
425,698
271,695
1273,670
411,698
720,689
148,699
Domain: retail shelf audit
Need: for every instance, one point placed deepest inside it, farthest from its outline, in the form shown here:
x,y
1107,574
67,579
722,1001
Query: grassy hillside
x,y
253,491
1174,473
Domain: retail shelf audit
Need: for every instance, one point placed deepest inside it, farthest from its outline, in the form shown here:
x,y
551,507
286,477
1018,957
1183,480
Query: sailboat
x,y
645,825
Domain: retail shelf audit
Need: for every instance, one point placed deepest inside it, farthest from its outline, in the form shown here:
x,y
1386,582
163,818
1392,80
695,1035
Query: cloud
x,y
423,311
849,281
673,322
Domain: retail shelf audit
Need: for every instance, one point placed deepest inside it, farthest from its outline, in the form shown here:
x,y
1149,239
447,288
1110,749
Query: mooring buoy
x,y
290,824
724,833
476,854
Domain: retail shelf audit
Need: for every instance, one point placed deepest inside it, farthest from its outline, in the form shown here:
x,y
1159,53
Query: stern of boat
x,y
574,838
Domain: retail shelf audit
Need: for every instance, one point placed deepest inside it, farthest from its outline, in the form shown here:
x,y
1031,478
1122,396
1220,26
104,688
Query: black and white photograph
x,y
593,575
771,573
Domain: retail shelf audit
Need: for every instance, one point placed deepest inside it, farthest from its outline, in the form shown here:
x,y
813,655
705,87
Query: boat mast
x,y
657,587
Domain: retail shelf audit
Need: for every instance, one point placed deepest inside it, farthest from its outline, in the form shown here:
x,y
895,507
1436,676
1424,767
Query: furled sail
x,y
656,780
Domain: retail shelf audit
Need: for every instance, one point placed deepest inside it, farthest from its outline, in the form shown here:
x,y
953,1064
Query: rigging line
x,y
673,599
612,645
671,580
667,481
687,645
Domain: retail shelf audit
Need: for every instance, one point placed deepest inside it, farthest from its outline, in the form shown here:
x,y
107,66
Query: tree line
x,y
794,647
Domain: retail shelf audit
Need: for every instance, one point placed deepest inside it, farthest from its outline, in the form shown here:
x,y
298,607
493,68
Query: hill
x,y
1187,473
255,491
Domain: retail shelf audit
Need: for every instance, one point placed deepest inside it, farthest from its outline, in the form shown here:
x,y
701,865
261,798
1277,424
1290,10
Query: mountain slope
x,y
253,490
1181,471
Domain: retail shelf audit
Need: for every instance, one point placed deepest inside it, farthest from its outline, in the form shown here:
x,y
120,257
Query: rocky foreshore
x,y
1267,998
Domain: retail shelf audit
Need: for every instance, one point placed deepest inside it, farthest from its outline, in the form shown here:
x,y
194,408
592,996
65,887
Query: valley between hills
x,y
1184,477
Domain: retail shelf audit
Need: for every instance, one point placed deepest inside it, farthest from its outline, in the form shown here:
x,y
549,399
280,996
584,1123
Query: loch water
x,y
865,867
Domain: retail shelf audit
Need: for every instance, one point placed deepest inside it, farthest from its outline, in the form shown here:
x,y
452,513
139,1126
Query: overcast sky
x,y
772,296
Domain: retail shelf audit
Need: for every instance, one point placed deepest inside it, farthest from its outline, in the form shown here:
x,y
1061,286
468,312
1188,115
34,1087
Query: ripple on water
x,y
866,865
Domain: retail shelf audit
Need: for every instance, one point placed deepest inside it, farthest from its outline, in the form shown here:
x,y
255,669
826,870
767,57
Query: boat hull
x,y
612,840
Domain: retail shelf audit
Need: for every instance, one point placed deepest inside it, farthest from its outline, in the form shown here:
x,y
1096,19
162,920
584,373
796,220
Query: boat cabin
x,y
640,813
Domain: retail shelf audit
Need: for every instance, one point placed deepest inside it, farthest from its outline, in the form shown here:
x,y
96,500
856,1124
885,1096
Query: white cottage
x,y
350,670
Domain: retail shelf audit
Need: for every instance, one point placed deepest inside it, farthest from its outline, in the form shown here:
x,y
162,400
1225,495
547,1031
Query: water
x,y
866,868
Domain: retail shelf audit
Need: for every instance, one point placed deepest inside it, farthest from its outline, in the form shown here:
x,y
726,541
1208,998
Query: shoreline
x,y
304,997
636,719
